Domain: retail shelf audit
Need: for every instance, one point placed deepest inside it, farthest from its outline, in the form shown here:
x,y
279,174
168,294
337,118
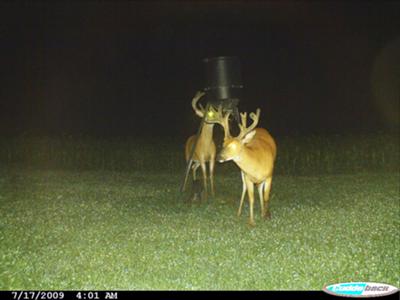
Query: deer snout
x,y
220,158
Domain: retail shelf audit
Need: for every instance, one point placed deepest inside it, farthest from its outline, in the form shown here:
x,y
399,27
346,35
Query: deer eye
x,y
210,114
232,146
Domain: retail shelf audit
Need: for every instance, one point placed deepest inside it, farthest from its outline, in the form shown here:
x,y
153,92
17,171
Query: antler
x,y
245,130
200,109
217,116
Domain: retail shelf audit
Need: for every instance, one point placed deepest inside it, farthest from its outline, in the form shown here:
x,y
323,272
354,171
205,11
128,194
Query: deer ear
x,y
248,137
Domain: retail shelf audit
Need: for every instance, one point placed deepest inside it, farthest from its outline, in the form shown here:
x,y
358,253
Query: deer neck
x,y
244,160
206,134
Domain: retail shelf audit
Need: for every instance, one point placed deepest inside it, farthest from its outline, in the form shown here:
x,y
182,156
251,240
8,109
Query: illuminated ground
x,y
131,230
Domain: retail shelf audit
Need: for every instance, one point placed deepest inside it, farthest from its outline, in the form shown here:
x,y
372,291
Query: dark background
x,y
131,68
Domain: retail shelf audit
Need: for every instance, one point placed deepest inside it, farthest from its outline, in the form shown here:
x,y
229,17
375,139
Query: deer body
x,y
254,152
256,158
205,150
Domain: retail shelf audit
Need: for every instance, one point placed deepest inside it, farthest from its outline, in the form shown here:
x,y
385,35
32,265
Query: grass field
x,y
132,230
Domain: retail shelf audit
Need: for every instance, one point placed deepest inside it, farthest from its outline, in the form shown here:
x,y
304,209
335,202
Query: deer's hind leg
x,y
267,190
195,166
260,188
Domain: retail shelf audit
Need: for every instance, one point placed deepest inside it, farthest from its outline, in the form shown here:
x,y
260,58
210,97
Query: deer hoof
x,y
267,215
252,223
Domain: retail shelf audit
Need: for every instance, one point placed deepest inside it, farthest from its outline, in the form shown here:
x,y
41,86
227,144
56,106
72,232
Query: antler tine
x,y
219,110
243,123
243,117
198,110
199,94
226,124
254,116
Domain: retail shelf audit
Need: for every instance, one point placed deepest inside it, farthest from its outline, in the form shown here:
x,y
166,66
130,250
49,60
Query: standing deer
x,y
205,150
254,152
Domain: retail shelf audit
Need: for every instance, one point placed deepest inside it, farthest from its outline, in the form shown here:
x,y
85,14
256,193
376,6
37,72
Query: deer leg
x,y
212,164
203,168
261,196
250,194
195,166
243,194
267,189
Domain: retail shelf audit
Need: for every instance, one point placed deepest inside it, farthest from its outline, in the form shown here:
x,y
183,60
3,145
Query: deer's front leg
x,y
212,164
250,194
243,194
203,168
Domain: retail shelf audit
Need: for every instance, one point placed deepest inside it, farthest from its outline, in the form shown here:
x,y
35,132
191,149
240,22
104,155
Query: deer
x,y
205,150
254,152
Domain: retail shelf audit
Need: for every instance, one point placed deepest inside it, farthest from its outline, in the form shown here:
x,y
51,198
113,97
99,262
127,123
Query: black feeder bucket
x,y
223,78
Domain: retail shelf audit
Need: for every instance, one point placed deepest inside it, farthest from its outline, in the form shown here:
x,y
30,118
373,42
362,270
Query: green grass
x,y
132,230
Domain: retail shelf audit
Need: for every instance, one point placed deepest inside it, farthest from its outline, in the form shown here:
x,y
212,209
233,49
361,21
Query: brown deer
x,y
205,150
254,152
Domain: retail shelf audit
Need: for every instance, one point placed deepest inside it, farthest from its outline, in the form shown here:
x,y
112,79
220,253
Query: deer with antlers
x,y
205,150
254,152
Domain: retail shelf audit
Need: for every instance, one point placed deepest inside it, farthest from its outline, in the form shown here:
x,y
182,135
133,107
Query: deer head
x,y
216,115
233,146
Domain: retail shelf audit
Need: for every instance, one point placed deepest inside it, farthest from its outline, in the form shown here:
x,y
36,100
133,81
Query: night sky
x,y
131,68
